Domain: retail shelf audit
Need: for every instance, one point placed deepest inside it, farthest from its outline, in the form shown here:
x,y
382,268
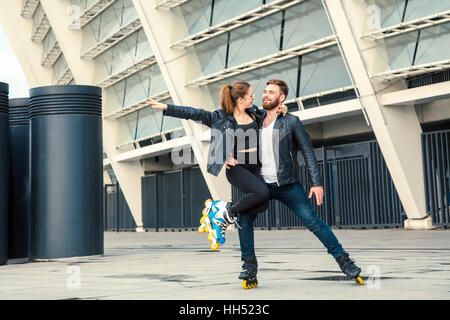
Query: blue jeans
x,y
294,196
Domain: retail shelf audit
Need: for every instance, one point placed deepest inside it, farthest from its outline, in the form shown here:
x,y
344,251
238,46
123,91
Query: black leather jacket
x,y
292,138
222,126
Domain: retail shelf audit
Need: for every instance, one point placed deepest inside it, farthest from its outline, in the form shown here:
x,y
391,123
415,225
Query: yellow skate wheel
x,y
359,281
205,211
214,246
250,284
208,202
209,237
201,229
203,220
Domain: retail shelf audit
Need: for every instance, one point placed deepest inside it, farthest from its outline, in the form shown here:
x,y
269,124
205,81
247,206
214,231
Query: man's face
x,y
272,97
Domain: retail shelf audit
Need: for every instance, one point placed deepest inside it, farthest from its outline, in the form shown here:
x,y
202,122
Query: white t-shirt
x,y
268,169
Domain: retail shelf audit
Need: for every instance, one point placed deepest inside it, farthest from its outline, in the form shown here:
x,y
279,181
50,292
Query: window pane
x,y
322,71
255,40
400,50
197,15
421,8
228,9
304,23
391,11
434,44
211,54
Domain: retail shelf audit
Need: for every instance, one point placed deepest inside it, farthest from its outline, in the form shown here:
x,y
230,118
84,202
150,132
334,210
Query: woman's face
x,y
247,100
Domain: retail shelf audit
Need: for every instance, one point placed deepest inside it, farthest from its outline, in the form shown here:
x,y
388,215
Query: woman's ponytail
x,y
226,100
229,95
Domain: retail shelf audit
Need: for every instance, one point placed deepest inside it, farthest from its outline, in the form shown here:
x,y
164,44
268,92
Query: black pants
x,y
248,180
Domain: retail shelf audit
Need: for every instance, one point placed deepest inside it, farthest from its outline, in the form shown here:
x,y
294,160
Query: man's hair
x,y
280,83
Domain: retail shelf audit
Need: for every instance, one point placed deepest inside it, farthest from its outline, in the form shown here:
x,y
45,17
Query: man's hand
x,y
318,192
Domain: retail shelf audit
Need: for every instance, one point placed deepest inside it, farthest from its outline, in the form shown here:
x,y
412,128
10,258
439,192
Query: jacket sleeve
x,y
304,143
189,113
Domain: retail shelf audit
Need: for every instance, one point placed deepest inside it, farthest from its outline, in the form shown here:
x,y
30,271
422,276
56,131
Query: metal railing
x,y
359,192
28,8
90,13
409,26
246,18
413,70
265,61
137,106
112,39
41,25
170,4
136,67
436,160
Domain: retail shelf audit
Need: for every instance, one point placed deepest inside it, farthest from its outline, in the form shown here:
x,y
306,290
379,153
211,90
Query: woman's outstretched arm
x,y
188,113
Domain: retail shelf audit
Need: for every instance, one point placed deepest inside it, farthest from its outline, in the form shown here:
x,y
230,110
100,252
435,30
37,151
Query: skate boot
x,y
216,218
349,267
249,271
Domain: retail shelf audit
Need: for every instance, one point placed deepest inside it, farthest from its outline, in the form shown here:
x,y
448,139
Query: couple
x,y
262,165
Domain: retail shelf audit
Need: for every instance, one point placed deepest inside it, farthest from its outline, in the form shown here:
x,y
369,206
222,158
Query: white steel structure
x,y
347,63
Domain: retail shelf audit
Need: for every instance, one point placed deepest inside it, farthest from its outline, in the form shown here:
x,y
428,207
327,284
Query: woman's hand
x,y
156,105
230,162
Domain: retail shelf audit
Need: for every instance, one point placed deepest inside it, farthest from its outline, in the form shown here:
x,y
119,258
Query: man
x,y
281,138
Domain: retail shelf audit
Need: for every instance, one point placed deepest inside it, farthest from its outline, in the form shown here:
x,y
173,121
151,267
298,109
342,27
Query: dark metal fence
x,y
117,215
359,192
174,200
170,201
436,160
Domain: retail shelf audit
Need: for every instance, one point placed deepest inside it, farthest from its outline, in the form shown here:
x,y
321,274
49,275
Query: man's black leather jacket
x,y
291,135
292,138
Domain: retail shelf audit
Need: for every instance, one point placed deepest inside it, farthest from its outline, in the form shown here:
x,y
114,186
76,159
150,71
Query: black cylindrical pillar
x,y
19,191
4,172
66,171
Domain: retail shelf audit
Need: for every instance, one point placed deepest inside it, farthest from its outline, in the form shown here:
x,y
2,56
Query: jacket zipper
x,y
281,127
284,136
221,138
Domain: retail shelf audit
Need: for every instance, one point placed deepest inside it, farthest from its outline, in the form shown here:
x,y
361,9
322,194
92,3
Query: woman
x,y
234,135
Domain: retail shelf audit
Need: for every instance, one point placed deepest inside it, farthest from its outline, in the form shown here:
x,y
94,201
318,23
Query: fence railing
x,y
359,192
436,160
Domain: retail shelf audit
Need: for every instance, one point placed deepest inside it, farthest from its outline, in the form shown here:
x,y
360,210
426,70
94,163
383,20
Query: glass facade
x,y
295,26
128,72
239,35
425,44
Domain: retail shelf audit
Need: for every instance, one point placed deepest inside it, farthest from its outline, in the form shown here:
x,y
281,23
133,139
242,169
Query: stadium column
x,y
28,53
162,27
397,129
70,41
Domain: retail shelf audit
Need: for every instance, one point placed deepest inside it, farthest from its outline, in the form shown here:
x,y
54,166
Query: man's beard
x,y
272,105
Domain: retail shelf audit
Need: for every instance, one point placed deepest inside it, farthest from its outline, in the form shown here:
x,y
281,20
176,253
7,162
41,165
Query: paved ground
x,y
399,265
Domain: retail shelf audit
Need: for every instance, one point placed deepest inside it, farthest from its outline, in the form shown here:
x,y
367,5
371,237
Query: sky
x,y
10,69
